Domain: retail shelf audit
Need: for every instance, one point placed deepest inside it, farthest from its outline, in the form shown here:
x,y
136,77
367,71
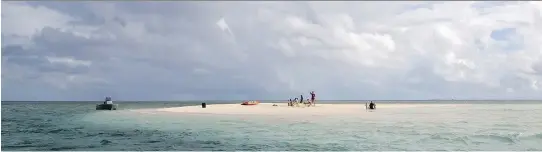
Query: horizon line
x,y
269,100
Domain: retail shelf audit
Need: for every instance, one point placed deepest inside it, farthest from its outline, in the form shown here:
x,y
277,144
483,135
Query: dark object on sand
x,y
372,105
204,105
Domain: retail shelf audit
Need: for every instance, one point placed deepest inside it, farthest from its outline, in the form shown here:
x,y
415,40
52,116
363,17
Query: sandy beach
x,y
283,109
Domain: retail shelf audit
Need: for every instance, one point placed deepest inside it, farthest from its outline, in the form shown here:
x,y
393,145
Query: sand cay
x,y
283,109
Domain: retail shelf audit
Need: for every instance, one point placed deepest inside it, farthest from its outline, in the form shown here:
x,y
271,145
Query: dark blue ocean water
x,y
485,125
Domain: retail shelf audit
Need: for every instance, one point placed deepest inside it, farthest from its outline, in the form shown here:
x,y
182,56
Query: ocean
x,y
75,126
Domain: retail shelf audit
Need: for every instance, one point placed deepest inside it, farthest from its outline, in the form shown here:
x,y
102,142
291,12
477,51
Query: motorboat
x,y
107,105
250,103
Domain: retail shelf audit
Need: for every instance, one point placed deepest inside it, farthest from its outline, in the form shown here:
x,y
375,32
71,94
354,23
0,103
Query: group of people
x,y
300,100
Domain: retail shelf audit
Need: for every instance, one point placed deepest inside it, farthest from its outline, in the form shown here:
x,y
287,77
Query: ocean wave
x,y
500,138
531,136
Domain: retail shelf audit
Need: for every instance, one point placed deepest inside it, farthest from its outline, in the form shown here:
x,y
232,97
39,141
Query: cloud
x,y
270,50
224,26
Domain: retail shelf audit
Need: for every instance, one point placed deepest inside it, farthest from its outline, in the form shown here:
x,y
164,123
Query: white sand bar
x,y
283,109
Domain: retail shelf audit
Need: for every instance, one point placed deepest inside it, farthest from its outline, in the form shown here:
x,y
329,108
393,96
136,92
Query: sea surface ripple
x,y
71,126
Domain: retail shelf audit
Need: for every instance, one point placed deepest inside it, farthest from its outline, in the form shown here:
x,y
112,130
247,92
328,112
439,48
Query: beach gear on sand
x,y
250,103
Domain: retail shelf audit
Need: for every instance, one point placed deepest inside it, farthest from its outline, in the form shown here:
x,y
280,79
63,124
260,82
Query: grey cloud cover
x,y
276,50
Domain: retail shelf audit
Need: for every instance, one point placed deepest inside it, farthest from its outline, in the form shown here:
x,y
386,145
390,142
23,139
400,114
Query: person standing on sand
x,y
289,102
372,105
313,96
301,100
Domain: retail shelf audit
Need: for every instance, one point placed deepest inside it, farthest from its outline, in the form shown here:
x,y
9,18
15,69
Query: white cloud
x,y
68,61
342,50
24,20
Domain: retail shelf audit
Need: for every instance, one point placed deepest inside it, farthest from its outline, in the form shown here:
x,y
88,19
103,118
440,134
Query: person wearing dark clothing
x,y
301,100
372,105
313,96
290,102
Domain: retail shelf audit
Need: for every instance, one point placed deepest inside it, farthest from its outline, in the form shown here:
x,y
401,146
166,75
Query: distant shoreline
x,y
279,101
285,100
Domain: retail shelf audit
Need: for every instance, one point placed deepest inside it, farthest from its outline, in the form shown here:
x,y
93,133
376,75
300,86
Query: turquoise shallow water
x,y
77,126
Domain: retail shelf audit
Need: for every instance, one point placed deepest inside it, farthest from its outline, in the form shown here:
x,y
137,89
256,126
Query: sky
x,y
192,50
